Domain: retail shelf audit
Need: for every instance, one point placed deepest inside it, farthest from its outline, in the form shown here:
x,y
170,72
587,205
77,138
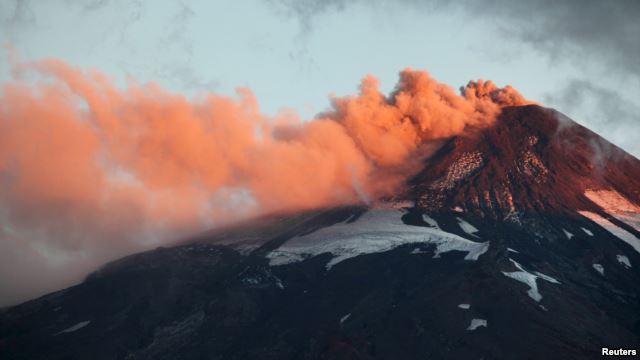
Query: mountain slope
x,y
519,242
533,160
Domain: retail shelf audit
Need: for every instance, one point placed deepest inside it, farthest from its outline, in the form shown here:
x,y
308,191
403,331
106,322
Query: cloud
x,y
606,111
16,17
306,10
22,13
584,31
597,38
89,5
590,32
90,171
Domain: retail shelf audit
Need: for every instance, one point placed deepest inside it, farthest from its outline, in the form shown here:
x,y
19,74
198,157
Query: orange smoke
x,y
389,130
87,165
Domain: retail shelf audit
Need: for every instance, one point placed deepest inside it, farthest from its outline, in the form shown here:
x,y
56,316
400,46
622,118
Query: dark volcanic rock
x,y
519,185
533,160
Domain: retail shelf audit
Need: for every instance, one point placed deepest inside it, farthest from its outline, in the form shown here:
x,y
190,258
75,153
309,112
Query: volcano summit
x,y
519,241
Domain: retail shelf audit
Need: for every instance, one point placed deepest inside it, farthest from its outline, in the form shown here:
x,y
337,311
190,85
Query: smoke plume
x,y
90,171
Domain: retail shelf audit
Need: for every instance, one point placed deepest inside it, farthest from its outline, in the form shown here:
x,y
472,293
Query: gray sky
x,y
580,57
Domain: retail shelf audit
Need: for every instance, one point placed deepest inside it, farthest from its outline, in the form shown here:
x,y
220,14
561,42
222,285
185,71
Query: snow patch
x,y
279,283
250,281
75,327
567,234
546,277
599,268
344,318
464,306
616,205
466,227
476,323
622,234
473,249
624,261
529,279
430,221
376,231
587,231
513,250
251,277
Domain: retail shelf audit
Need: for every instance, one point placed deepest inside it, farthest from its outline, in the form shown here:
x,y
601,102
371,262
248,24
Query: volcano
x,y
520,241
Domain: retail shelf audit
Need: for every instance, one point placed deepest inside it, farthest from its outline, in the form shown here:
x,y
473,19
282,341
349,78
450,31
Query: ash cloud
x,y
90,171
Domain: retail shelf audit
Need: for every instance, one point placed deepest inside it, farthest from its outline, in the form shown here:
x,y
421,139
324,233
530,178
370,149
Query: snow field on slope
x,y
620,233
616,205
529,279
376,231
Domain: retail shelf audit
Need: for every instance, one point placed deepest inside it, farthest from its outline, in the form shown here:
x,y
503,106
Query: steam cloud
x,y
89,171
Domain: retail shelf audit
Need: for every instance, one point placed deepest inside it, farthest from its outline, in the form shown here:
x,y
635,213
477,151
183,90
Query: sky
x,y
579,57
